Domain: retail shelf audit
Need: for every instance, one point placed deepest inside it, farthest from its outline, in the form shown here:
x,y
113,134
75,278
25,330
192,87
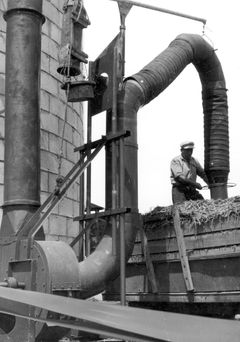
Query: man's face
x,y
187,153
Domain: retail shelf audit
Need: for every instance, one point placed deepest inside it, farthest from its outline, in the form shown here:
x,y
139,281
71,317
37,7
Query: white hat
x,y
187,145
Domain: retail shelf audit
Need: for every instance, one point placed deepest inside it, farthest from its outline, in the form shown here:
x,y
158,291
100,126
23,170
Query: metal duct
x,y
139,89
22,124
162,71
104,265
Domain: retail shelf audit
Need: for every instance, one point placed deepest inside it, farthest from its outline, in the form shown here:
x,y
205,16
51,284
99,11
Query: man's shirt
x,y
190,170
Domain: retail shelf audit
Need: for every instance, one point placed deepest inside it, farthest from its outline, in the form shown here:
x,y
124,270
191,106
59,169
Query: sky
x,y
175,115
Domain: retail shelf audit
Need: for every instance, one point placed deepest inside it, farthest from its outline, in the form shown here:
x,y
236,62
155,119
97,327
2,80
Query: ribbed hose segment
x,y
164,69
216,135
161,72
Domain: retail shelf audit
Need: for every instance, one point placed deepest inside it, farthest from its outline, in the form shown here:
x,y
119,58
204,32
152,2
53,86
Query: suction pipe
x,y
22,122
139,89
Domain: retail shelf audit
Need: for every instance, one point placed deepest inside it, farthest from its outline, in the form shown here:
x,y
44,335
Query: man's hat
x,y
187,145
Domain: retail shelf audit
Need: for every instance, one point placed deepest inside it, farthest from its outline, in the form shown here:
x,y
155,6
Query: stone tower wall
x,y
61,124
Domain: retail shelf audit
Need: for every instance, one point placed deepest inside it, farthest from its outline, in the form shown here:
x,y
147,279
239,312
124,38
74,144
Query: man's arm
x,y
177,174
185,181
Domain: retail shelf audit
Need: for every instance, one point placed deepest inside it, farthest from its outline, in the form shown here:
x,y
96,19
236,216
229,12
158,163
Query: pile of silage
x,y
198,212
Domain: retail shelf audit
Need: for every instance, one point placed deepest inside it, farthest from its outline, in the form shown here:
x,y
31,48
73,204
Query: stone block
x,y
78,106
2,84
45,64
72,228
2,42
49,122
2,62
52,181
66,166
76,206
57,107
3,24
66,131
55,33
58,4
52,13
45,100
1,173
2,105
49,162
54,144
71,155
73,192
57,225
49,83
44,181
2,128
1,195
53,69
72,117
1,150
44,140
77,138
50,47
65,207
46,28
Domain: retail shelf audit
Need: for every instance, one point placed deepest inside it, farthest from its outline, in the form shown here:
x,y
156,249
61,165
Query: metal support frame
x,y
35,222
160,9
110,63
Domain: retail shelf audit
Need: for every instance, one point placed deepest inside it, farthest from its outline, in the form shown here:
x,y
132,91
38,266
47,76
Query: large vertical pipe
x,y
22,123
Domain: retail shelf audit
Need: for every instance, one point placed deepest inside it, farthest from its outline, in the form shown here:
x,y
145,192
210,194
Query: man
x,y
184,172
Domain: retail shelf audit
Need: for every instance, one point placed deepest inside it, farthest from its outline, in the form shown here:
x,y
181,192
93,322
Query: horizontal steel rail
x,y
159,9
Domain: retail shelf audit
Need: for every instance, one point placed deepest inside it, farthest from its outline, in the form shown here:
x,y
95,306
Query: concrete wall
x,y
61,124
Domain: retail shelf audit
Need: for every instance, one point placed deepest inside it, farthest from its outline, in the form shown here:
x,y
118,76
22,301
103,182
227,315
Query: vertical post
x,y
89,185
123,13
122,225
86,236
81,249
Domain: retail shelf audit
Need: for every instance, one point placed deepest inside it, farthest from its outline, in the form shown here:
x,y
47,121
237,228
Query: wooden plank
x,y
149,264
160,230
208,275
214,253
182,250
229,237
206,297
